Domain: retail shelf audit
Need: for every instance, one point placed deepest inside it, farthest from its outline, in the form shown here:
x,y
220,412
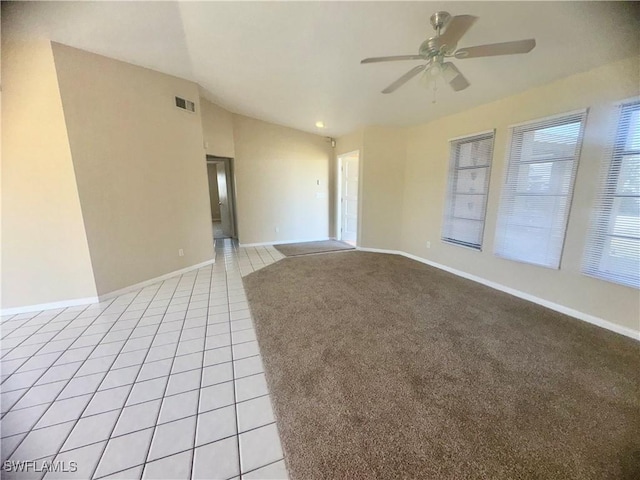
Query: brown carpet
x,y
381,368
308,248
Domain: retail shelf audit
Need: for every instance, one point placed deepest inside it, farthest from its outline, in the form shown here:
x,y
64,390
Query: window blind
x,y
469,171
613,243
536,197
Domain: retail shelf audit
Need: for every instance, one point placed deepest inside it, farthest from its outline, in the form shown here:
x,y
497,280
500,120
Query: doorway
x,y
221,196
348,169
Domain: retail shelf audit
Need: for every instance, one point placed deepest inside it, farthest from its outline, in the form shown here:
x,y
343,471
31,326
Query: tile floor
x,y
218,233
163,382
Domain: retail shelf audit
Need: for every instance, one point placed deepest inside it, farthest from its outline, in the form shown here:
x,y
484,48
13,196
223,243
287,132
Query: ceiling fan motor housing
x,y
433,47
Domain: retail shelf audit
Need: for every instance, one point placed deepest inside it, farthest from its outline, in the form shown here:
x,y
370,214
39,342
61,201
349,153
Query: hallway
x,y
218,233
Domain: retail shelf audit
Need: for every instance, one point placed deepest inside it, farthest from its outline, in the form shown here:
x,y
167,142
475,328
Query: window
x,y
534,208
613,243
469,169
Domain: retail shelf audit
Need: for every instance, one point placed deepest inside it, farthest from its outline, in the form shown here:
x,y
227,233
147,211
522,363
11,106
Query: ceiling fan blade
x,y
455,29
453,76
404,79
392,59
491,50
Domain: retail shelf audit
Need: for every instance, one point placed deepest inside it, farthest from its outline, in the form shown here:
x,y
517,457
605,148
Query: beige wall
x,y
426,176
277,170
217,127
350,142
382,183
45,256
140,167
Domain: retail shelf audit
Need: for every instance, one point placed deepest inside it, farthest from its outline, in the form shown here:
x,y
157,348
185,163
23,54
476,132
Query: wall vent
x,y
185,104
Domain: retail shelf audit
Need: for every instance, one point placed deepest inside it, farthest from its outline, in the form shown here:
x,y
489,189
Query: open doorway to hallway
x,y
347,215
222,196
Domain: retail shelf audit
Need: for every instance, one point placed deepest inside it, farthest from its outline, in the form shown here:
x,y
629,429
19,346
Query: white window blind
x,y
613,243
536,197
469,171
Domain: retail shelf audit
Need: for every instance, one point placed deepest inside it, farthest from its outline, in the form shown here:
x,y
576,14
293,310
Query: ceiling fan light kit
x,y
443,45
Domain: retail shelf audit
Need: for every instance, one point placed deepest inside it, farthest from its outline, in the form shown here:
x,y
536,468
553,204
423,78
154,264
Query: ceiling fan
x,y
444,45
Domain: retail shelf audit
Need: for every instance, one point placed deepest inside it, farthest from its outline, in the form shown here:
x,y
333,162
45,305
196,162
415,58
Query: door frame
x,y
231,188
338,226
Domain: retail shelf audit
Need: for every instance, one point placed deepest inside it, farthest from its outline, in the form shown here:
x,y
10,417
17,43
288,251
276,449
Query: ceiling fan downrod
x,y
439,20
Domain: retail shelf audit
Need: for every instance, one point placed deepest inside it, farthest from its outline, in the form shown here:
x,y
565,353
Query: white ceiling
x,y
294,63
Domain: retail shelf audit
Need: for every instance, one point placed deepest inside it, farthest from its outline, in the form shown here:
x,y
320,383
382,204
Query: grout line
x,y
68,381
266,465
168,455
62,450
166,387
133,351
52,339
182,451
27,389
235,395
202,367
145,401
159,288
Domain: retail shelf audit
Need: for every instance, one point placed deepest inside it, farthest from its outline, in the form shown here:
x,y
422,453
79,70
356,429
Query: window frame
x,y
512,163
599,228
452,176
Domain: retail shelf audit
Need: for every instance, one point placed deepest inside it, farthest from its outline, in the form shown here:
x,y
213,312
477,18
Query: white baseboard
x,y
497,286
282,242
151,281
600,322
89,300
380,250
49,306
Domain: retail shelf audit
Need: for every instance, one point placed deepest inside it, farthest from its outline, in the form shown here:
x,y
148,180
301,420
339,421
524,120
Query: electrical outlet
x,y
277,229
428,244
180,252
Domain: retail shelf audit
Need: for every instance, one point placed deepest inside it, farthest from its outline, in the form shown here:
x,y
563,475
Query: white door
x,y
349,198
225,212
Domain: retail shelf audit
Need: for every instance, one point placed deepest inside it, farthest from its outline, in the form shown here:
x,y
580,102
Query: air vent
x,y
185,104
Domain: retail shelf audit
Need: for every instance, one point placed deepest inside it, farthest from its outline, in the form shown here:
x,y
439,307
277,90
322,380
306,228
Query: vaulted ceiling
x,y
295,63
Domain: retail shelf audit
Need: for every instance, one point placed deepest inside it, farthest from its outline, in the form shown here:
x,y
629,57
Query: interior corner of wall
x,y
55,50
